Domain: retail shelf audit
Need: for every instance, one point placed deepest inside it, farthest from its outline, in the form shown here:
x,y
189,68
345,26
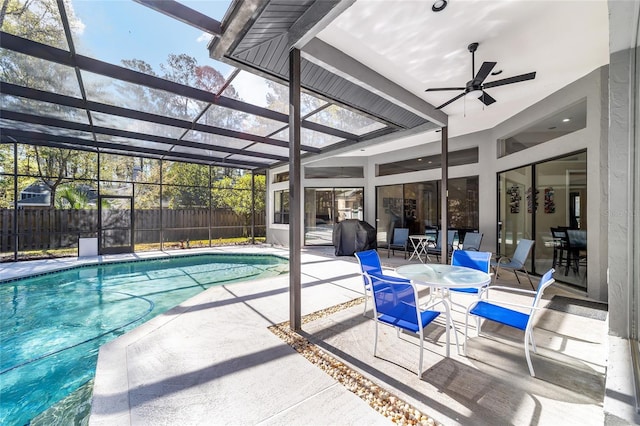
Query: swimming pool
x,y
52,325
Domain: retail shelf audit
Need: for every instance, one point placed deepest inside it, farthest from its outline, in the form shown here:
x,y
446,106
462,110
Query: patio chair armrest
x,y
505,289
504,304
388,278
431,303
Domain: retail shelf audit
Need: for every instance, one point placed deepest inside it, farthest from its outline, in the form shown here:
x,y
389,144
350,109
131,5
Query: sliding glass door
x,y
324,207
547,202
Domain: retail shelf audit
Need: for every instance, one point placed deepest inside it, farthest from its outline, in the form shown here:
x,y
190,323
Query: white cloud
x,y
252,89
76,24
204,37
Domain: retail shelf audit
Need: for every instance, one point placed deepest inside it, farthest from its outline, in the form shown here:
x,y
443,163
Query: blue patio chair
x,y
472,241
369,262
396,304
500,312
399,242
479,260
437,249
516,262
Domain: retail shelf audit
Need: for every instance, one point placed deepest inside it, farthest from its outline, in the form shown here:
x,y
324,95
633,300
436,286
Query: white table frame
x,y
443,277
420,243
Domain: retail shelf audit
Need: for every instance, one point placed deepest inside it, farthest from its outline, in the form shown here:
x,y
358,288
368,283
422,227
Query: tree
x,y
237,196
36,20
55,166
70,197
187,184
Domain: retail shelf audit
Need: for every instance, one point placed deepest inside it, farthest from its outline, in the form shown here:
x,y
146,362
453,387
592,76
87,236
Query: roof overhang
x,y
258,35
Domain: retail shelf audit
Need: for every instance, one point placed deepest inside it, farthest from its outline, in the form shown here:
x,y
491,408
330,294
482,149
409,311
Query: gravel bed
x,y
383,401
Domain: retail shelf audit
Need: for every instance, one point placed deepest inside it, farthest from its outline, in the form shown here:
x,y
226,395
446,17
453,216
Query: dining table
x,y
442,277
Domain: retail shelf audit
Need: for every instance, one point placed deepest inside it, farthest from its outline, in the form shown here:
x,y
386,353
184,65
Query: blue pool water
x,y
51,326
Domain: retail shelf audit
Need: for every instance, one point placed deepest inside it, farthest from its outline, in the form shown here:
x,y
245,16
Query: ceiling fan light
x,y
439,5
473,94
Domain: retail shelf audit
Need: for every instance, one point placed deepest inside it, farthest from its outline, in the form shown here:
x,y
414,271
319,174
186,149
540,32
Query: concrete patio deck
x,y
212,360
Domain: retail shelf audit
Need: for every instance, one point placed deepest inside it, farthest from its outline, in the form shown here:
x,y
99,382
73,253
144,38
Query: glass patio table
x,y
444,276
441,278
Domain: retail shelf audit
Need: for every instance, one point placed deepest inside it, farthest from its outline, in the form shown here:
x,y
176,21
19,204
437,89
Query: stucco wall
x,y
592,87
620,209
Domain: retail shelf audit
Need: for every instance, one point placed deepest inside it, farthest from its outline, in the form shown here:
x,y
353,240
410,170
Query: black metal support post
x,y
444,194
15,201
295,202
253,207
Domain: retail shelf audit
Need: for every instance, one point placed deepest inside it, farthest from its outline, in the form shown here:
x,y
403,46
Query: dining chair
x,y
397,304
437,249
560,247
576,249
369,262
502,312
472,241
479,260
516,262
399,241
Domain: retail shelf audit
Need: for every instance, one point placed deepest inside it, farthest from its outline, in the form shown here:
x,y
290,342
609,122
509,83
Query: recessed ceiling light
x,y
566,120
439,5
419,159
429,162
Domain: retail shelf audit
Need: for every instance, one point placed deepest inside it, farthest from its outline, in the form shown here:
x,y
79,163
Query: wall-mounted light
x,y
439,5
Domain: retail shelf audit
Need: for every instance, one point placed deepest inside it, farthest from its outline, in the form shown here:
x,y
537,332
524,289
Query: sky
x,y
113,30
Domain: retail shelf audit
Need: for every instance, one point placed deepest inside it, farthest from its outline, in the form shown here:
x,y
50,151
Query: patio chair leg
x,y
517,277
421,353
528,355
364,314
530,282
375,342
533,342
455,334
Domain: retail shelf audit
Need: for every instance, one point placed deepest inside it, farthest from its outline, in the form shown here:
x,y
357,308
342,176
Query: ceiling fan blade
x,y
486,98
451,100
516,79
483,72
444,88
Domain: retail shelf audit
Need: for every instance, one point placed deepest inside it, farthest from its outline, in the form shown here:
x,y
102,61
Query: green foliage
x,y
36,20
70,197
235,194
189,184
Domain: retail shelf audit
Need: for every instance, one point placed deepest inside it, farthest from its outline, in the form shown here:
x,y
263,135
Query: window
x,y
535,198
417,206
561,123
333,172
281,207
324,207
456,158
281,177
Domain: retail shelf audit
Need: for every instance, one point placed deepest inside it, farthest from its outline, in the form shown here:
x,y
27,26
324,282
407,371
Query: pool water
x,y
52,325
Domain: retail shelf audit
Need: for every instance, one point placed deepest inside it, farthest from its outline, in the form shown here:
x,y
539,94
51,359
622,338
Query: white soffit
x,y
416,48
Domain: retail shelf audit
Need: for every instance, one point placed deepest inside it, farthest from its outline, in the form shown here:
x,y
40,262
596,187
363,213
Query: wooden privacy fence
x,y
40,229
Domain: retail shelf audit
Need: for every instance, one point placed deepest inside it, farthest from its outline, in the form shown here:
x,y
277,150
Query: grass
x,y
169,245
